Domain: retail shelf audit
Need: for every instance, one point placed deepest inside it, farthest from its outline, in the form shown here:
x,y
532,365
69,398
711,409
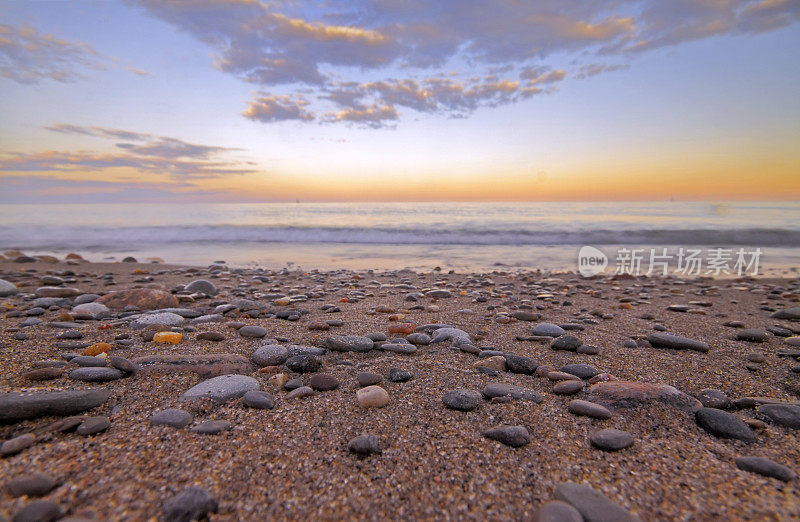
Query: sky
x,y
399,100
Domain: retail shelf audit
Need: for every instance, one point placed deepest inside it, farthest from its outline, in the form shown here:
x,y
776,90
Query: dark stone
x,y
304,363
16,406
174,418
611,440
752,335
520,364
593,505
514,436
676,342
584,371
568,343
712,398
368,379
259,400
398,375
39,511
92,425
191,504
323,382
786,415
32,485
766,467
724,425
212,427
365,445
462,400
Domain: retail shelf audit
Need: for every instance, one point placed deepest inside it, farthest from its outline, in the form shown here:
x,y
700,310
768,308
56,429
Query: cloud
x,y
47,189
364,60
278,108
147,153
27,56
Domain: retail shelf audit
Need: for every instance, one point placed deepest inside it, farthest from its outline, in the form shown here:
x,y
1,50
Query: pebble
x,y
193,503
252,331
584,371
588,409
304,363
786,415
557,511
587,350
17,444
123,364
364,445
141,298
724,425
173,418
348,343
462,400
96,374
711,398
162,318
368,379
31,484
7,288
270,355
611,439
592,505
88,361
570,387
514,436
222,389
201,286
400,375
633,395
92,425
568,343
548,330
211,427
497,362
43,374
15,406
372,397
300,392
258,399
676,342
210,336
401,348
323,382
167,337
39,511
494,390
766,467
752,335
520,364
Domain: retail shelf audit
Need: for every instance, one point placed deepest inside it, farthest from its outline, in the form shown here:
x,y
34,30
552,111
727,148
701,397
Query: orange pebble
x,y
139,271
403,328
96,349
167,337
344,300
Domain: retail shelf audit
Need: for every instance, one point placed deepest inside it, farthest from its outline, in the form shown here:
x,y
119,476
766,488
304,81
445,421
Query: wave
x,y
92,238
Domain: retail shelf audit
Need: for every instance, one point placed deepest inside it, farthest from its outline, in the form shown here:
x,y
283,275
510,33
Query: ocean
x,y
420,236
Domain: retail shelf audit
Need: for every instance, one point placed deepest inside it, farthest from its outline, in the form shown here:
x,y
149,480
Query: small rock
x,y
174,418
588,409
724,425
548,330
514,436
222,389
592,505
17,444
191,504
569,387
39,511
368,379
365,445
372,397
92,425
32,485
304,363
211,427
252,331
786,415
557,511
611,440
568,343
766,467
462,400
323,382
259,400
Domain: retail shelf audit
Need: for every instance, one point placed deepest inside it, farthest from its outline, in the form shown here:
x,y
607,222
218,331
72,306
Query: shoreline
x,y
292,461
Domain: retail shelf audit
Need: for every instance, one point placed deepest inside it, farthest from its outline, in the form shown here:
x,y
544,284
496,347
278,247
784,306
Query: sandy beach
x,y
435,463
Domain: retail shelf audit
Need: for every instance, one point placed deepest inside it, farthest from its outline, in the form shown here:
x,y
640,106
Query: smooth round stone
x,y
548,330
557,511
201,286
724,425
592,505
43,374
496,389
222,389
752,335
323,382
676,342
364,445
258,399
304,363
39,511
15,406
372,397
611,440
86,298
32,485
162,318
190,504
123,364
400,348
211,427
711,398
17,444
300,392
376,336
786,415
562,376
398,375
270,355
92,425
348,343
88,361
252,331
792,341
588,409
96,374
514,436
368,379
210,336
568,343
292,384
7,288
173,418
520,364
93,309
570,387
756,357
439,294
587,350
462,400
766,467
584,371
419,338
